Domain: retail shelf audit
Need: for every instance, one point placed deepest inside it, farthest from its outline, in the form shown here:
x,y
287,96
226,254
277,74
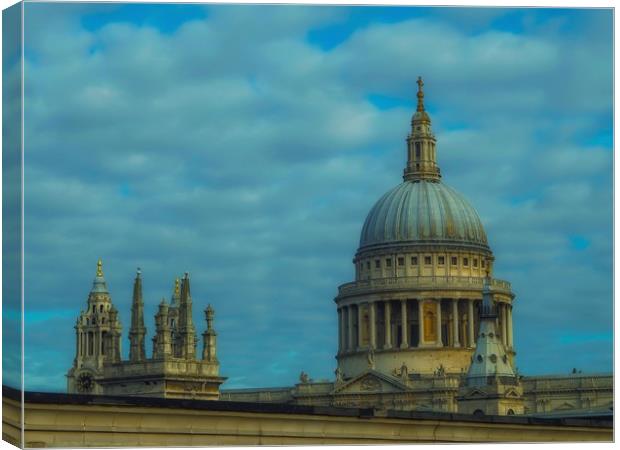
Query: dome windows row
x,y
423,265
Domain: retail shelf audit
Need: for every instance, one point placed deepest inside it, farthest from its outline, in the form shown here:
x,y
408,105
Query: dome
x,y
424,212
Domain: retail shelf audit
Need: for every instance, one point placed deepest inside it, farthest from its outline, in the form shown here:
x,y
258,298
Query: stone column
x,y
360,318
350,328
403,320
340,330
420,323
470,322
509,325
504,318
388,324
439,340
455,323
372,328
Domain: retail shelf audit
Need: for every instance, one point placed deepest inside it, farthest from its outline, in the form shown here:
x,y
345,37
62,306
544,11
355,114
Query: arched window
x,y
103,339
91,342
510,412
478,412
100,308
430,326
417,150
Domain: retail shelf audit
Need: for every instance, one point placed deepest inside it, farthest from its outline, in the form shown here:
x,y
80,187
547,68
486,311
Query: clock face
x,y
85,382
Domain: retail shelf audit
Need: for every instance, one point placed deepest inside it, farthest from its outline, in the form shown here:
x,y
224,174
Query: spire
x,y
137,330
176,293
99,285
420,94
421,157
186,325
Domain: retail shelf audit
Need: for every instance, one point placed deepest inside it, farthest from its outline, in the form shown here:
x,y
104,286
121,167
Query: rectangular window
x,y
475,262
482,262
401,261
441,260
453,261
388,262
427,260
465,262
414,260
417,150
368,265
377,263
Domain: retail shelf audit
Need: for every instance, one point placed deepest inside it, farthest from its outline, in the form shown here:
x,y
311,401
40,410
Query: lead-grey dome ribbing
x,y
424,212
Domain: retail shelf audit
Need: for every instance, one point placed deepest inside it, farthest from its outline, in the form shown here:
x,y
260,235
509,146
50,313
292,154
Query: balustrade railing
x,y
422,282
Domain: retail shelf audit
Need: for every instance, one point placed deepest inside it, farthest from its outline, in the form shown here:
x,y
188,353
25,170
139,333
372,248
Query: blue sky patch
x,y
579,242
165,17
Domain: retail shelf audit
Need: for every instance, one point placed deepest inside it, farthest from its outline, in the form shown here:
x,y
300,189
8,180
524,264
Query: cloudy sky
x,y
246,144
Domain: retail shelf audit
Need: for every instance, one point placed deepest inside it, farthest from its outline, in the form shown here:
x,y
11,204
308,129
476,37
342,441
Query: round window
x,y
479,358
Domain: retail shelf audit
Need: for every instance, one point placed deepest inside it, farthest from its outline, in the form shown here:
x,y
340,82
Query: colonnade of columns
x,y
359,327
91,343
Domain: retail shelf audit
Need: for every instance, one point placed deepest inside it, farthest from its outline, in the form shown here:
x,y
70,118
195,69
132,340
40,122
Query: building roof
x,y
422,212
278,408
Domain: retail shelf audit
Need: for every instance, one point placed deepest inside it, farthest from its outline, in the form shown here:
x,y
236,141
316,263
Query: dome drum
x,y
459,287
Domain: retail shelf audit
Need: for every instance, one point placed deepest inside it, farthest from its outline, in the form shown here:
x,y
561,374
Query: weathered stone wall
x,y
547,394
58,420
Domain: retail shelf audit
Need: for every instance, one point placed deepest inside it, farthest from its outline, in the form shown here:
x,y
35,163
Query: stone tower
x,y
173,371
98,334
491,386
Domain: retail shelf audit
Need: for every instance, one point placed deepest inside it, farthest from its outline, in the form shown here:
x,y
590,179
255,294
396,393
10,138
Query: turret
x,y
491,386
209,338
115,336
137,330
421,156
97,337
162,341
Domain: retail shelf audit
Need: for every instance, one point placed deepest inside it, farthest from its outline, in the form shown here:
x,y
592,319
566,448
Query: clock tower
x,y
98,333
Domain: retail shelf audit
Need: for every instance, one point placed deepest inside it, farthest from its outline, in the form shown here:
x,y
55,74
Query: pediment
x,y
475,393
370,382
565,406
511,393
